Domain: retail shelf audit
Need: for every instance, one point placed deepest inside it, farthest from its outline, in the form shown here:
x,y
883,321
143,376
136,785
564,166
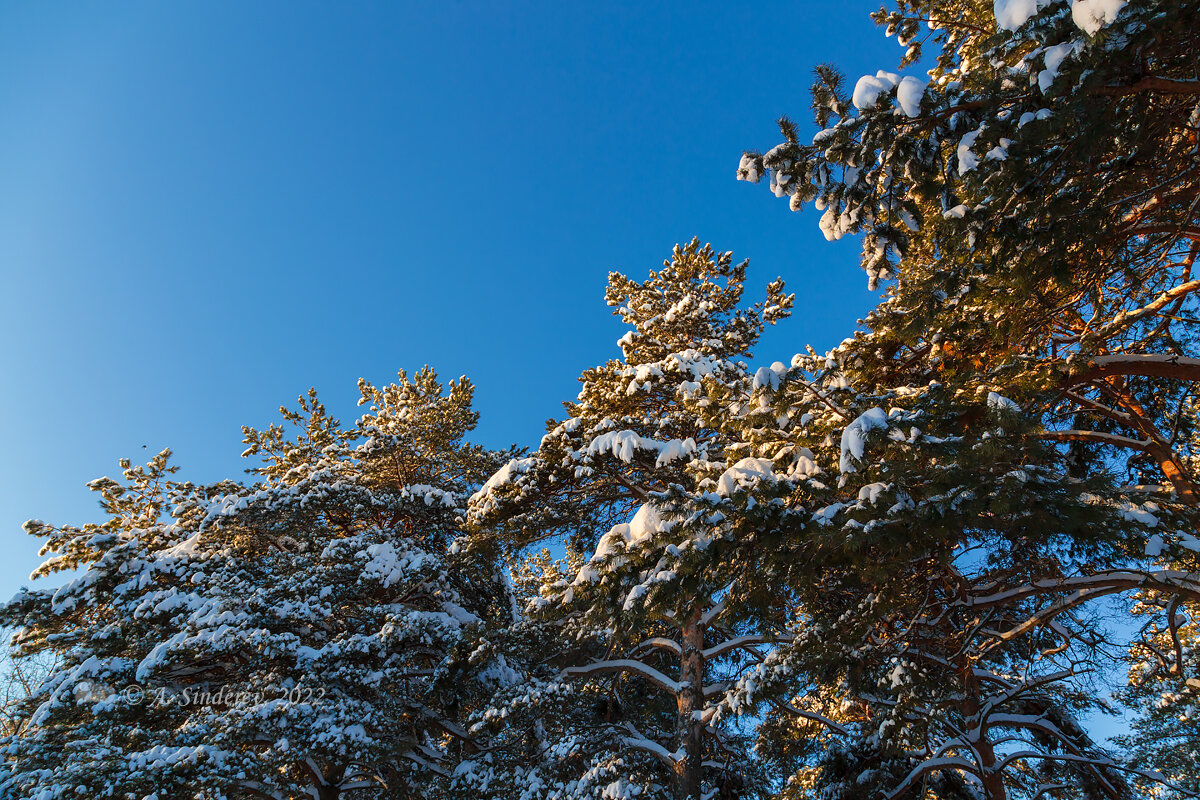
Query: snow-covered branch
x,y
1084,589
933,765
1095,761
1152,365
740,642
1098,437
640,741
660,642
812,715
624,665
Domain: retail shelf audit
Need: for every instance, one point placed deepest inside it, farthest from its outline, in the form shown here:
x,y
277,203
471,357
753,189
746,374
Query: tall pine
x,y
637,479
313,634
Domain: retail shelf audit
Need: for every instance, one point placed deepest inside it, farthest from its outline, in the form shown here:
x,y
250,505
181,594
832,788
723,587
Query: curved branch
x,y
718,650
661,642
1150,776
1146,365
813,716
1098,437
1150,83
622,665
1086,588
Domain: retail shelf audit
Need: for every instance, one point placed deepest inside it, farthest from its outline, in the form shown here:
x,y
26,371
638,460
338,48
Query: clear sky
x,y
207,207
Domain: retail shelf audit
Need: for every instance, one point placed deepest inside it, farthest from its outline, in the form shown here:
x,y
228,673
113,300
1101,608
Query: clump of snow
x,y
824,516
967,160
505,474
835,224
748,169
645,523
388,565
999,152
1092,15
744,471
804,466
1140,514
1001,403
854,437
625,444
908,95
870,493
1012,14
869,87
675,450
1053,59
771,376
1030,116
622,444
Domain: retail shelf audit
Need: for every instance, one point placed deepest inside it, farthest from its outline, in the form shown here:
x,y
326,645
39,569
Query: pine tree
x,y
1033,209
81,731
936,550
1035,201
664,595
312,634
1164,683
545,737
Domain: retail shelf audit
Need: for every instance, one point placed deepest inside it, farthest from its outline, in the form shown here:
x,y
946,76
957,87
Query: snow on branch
x,y
708,616
933,765
662,643
1013,691
640,741
624,665
1085,588
1098,437
1151,365
716,651
1097,760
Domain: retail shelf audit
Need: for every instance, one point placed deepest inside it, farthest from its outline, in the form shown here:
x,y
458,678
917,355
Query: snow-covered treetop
x,y
1043,164
692,303
1035,195
325,607
636,428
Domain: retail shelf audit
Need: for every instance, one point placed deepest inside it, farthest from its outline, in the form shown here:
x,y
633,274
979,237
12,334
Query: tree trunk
x,y
1168,462
992,778
690,729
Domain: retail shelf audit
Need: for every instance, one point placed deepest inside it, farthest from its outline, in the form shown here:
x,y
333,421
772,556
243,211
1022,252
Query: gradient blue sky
x,y
206,208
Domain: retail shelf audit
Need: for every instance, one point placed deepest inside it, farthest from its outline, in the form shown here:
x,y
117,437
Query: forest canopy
x,y
907,567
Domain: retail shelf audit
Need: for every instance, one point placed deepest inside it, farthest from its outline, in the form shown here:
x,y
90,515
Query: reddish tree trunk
x,y
992,778
690,702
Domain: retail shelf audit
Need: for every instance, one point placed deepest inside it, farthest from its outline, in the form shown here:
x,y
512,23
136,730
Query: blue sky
x,y
208,207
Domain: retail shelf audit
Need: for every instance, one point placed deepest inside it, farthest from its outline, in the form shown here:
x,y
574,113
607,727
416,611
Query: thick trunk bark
x,y
1168,462
992,778
690,702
